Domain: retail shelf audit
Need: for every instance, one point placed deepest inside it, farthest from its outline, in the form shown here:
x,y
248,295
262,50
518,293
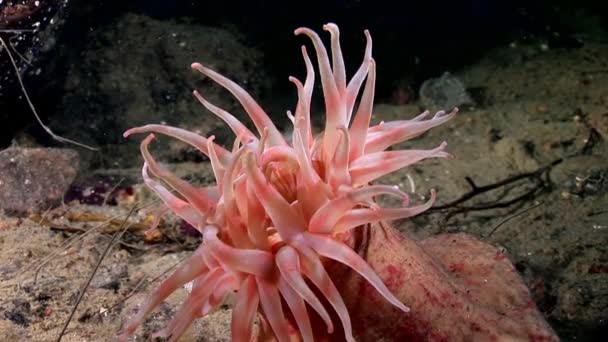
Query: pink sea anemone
x,y
282,211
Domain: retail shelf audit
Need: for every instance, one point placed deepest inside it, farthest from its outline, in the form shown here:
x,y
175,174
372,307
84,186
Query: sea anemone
x,y
280,210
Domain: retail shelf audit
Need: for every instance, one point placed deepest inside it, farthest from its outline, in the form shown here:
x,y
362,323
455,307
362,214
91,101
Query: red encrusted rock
x,y
35,178
457,288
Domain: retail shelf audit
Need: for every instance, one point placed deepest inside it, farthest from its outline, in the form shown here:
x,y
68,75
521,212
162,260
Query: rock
x,y
444,92
35,178
457,288
137,71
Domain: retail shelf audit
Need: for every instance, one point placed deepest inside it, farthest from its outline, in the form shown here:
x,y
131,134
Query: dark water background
x,y
413,40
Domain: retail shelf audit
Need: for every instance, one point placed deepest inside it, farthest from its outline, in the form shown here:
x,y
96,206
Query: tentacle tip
x,y
148,139
331,27
127,133
442,150
196,66
296,82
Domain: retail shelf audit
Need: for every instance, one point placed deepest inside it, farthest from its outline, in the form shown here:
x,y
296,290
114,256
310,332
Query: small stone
x,y
35,179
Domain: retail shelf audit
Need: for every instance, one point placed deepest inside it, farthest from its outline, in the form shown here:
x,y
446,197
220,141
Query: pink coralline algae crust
x,y
482,299
294,230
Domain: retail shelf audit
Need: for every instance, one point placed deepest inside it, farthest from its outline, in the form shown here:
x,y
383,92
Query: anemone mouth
x,y
277,208
284,179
